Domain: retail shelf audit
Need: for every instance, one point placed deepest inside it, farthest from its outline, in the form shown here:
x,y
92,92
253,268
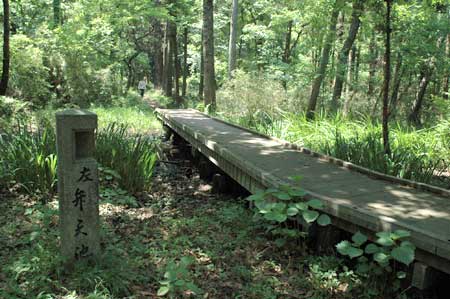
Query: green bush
x,y
29,76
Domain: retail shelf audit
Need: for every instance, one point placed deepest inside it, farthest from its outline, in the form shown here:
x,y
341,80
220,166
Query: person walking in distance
x,y
142,86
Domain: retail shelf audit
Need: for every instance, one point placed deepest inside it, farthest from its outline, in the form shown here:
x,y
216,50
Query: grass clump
x,y
132,156
28,158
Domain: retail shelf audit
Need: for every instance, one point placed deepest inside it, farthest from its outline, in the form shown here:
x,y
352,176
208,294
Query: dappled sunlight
x,y
385,202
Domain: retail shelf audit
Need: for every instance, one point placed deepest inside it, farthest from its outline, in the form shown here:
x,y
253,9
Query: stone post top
x,y
75,112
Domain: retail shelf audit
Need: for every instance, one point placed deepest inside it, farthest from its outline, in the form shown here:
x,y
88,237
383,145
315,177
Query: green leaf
x,y
384,239
324,220
255,197
301,206
359,238
292,211
408,244
271,190
399,234
346,248
273,216
403,254
180,283
381,258
363,268
282,196
315,204
371,249
163,291
297,192
310,216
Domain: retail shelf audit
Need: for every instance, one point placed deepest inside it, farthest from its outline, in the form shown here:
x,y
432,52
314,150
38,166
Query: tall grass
x,y
420,155
132,156
28,157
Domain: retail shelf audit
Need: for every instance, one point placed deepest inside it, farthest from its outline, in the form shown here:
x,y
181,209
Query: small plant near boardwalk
x,y
177,279
375,259
279,205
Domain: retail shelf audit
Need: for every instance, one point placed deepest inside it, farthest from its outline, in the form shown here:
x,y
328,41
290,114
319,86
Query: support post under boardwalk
x,y
78,185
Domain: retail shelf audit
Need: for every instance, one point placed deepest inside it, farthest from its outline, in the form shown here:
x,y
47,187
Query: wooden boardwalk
x,y
357,198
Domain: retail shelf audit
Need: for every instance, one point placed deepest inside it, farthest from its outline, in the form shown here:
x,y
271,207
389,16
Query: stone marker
x,y
77,184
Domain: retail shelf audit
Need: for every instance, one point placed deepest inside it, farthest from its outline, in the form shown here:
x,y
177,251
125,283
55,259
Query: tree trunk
x,y
158,53
208,55
387,79
398,73
165,51
56,13
201,84
6,54
414,117
373,53
323,61
343,56
185,64
445,82
287,49
177,65
169,52
233,39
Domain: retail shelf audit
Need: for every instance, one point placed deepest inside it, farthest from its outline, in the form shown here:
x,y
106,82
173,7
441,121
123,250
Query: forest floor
x,y
208,240
178,237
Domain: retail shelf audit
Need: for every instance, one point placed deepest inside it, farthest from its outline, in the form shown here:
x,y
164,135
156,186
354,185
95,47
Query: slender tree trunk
x,y
56,13
169,58
208,55
398,73
414,116
185,63
349,86
158,53
343,56
165,51
6,54
357,65
387,79
373,53
287,49
201,85
177,66
445,82
320,75
233,38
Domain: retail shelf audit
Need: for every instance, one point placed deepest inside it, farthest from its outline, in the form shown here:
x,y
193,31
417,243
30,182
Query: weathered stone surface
x,y
77,184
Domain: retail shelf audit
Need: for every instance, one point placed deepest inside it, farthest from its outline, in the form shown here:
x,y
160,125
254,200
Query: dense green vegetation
x,y
281,60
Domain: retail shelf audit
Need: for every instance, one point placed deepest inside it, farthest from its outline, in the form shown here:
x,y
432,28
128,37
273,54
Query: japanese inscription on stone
x,y
77,184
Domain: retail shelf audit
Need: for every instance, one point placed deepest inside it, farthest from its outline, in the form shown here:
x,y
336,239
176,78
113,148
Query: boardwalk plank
x,y
363,200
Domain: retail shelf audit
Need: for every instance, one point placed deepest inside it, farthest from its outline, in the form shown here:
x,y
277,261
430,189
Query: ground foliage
x,y
209,242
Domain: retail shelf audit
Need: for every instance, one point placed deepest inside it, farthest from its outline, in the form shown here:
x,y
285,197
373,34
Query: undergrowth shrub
x,y
251,98
132,156
39,269
28,158
29,76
